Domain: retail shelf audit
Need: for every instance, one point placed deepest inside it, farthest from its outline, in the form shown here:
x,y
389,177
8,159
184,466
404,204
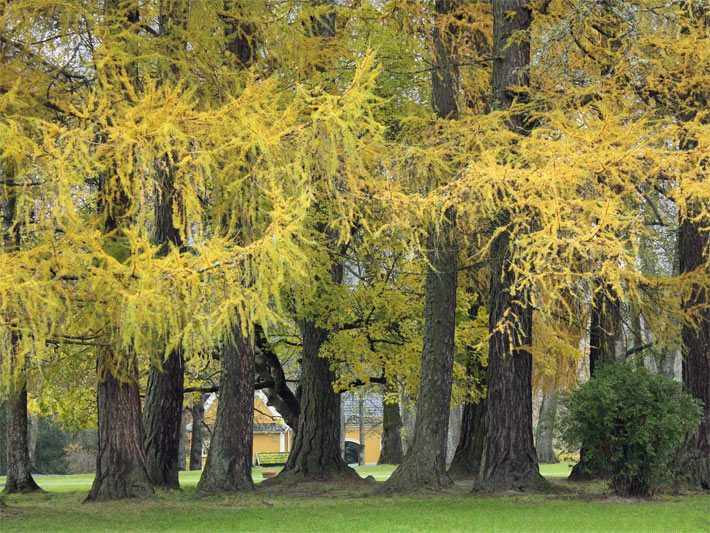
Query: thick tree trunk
x,y
696,354
509,456
545,428
604,325
19,467
316,448
391,451
198,414
164,395
161,421
120,462
425,461
228,466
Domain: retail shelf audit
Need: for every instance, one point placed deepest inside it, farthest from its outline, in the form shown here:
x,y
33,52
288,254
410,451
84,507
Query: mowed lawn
x,y
332,510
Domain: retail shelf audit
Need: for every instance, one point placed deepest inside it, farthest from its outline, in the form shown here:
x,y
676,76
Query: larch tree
x,y
121,468
228,465
509,458
163,405
316,453
425,461
694,240
19,466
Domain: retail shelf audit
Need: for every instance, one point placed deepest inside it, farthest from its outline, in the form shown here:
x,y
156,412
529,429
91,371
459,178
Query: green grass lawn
x,y
189,479
585,509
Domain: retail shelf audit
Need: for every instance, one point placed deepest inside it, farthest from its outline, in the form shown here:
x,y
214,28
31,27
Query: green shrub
x,y
632,423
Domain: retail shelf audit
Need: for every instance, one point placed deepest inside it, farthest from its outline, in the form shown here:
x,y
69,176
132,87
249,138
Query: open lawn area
x,y
572,508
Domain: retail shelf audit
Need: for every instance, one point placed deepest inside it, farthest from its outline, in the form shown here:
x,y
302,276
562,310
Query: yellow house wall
x,y
267,442
372,442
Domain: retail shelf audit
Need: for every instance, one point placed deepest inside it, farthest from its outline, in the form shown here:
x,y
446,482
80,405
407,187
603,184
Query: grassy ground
x,y
577,509
82,482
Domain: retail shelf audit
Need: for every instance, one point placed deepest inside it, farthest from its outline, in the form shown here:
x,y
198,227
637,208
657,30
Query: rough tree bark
x,y
120,463
269,369
316,451
316,448
161,421
19,464
164,396
424,464
391,447
466,463
198,414
509,457
228,466
19,467
545,428
693,245
604,331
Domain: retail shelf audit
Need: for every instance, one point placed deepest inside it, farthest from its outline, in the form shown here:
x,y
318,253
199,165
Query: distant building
x,y
271,434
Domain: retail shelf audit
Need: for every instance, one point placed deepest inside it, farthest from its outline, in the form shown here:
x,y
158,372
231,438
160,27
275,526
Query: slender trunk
x,y
19,467
268,368
182,449
545,428
466,463
198,414
391,452
161,421
316,453
509,457
604,325
361,427
120,462
694,244
228,466
425,461
3,439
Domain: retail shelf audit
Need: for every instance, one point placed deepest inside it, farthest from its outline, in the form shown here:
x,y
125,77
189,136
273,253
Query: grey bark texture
x,y
198,416
391,452
19,467
121,470
467,458
315,455
17,440
545,428
424,464
696,349
162,417
509,459
228,465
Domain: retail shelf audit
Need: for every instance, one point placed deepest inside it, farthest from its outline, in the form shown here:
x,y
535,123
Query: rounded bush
x,y
632,423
